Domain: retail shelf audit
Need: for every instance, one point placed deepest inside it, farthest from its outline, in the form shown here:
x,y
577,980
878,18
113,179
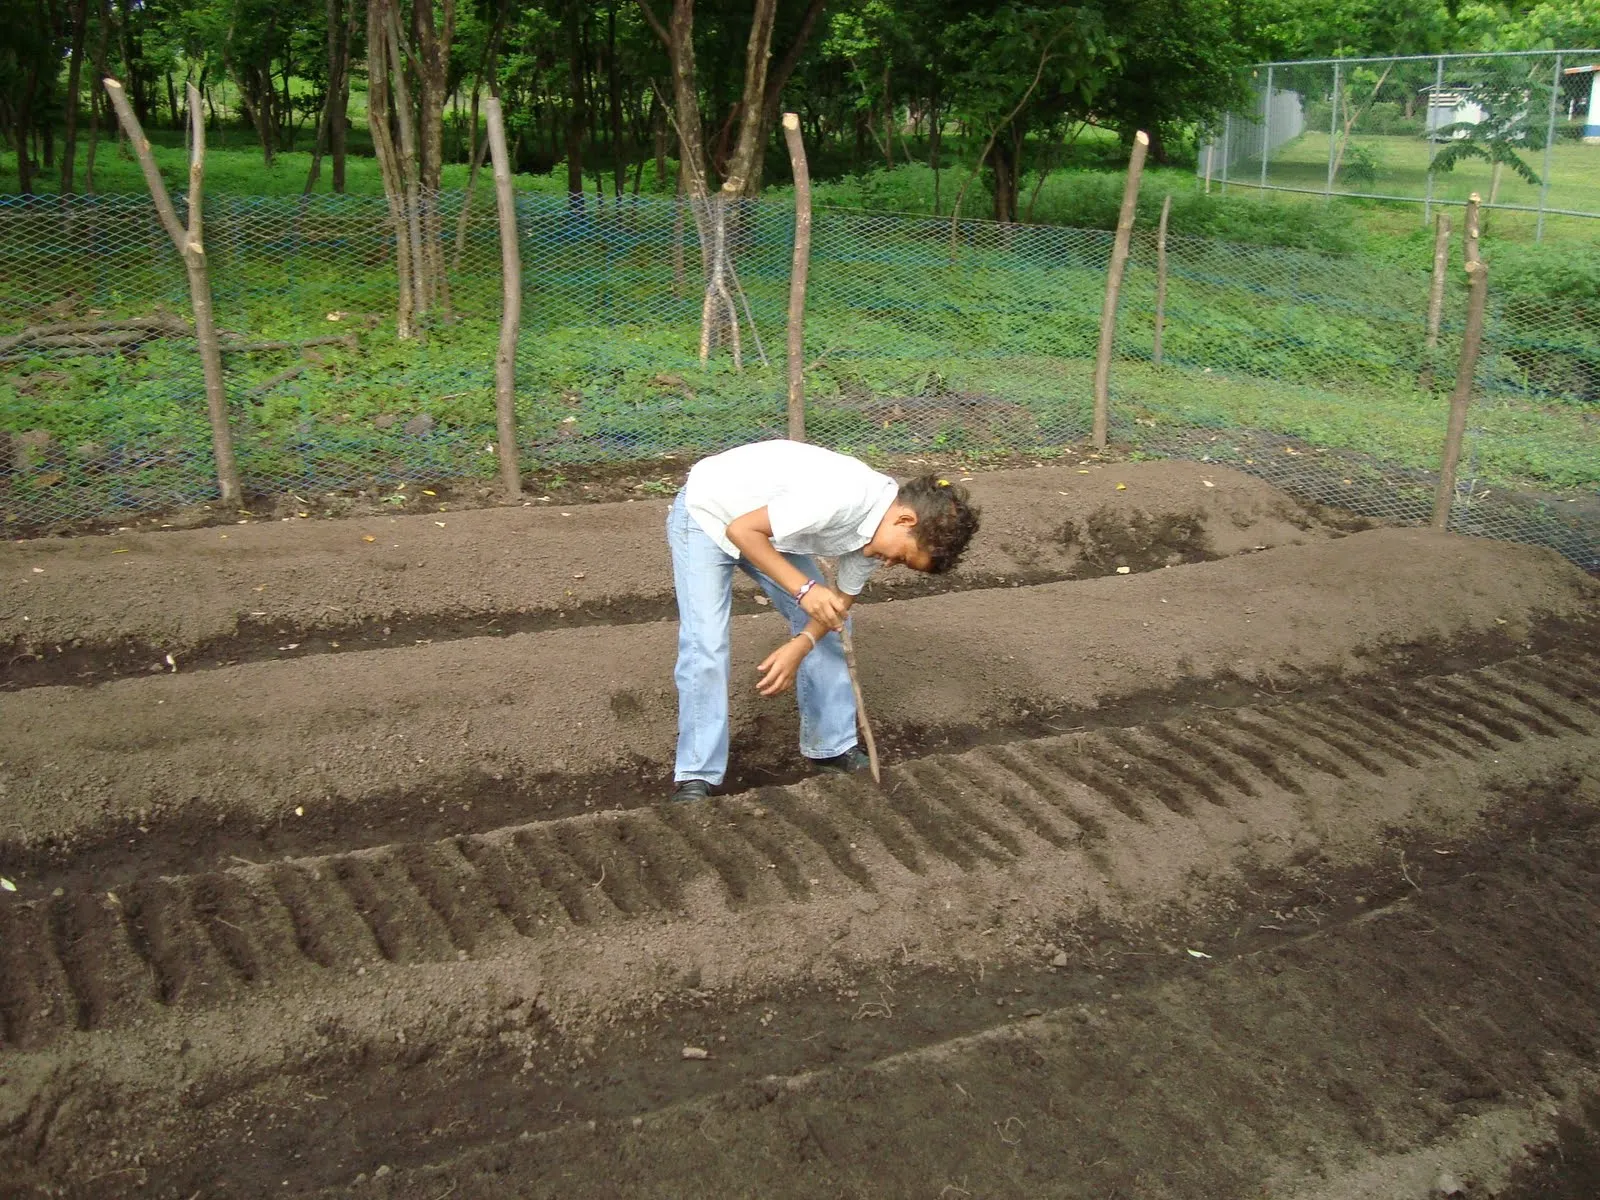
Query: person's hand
x,y
778,669
825,605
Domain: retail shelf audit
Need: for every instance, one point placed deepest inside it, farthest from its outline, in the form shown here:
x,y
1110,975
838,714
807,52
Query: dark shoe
x,y
691,789
852,760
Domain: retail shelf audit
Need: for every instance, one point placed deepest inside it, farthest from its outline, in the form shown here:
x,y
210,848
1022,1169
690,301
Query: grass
x,y
1313,332
916,353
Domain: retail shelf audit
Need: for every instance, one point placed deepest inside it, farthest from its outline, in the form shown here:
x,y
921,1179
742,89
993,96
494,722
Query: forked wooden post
x,y
1441,265
1471,342
505,358
797,277
1161,280
190,245
1108,312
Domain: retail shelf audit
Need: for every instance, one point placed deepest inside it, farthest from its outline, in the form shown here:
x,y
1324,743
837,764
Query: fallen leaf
x,y
119,552
1198,954
1083,472
426,492
1208,483
38,570
696,1052
440,524
579,574
1122,487
7,884
1124,570
367,537
300,812
290,646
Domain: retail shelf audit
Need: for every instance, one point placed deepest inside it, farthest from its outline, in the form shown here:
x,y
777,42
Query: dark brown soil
x,y
1248,874
83,611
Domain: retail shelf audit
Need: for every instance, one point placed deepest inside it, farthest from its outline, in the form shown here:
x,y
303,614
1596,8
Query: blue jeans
x,y
702,573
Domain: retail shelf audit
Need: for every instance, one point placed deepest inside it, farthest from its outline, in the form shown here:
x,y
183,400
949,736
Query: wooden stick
x,y
1441,265
1471,342
191,247
505,359
797,277
1161,279
861,703
62,328
1108,311
830,576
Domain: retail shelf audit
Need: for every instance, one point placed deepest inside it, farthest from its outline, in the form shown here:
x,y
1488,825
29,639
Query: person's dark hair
x,y
946,518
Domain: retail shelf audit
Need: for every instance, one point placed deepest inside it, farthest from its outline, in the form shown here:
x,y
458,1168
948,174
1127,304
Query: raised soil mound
x,y
1270,868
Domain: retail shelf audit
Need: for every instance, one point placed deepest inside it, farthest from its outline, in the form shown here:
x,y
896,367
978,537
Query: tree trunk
x,y
777,77
22,124
433,50
172,103
1003,165
935,140
738,177
888,122
330,125
619,166
658,128
410,177
101,44
577,114
378,117
69,149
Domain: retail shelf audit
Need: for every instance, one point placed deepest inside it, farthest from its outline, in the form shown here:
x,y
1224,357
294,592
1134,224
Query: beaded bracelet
x,y
804,588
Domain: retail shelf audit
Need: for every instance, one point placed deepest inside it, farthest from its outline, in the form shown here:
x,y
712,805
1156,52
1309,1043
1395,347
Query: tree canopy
x,y
614,89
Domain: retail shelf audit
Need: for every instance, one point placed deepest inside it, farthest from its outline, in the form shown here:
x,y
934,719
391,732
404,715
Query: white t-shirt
x,y
819,502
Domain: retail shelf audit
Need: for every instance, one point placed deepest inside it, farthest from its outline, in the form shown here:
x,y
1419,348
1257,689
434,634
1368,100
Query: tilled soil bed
x,y
1270,868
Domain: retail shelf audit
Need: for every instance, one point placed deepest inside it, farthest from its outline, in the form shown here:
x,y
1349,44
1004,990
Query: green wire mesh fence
x,y
922,337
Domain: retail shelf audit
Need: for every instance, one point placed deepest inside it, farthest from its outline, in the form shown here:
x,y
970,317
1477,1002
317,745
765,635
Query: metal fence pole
x,y
1549,141
1227,137
1333,133
1433,142
1266,134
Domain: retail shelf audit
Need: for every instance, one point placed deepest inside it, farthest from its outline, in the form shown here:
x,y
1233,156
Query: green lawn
x,y
1400,165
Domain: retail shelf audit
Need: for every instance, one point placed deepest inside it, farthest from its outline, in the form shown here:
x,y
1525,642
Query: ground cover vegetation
x,y
1299,318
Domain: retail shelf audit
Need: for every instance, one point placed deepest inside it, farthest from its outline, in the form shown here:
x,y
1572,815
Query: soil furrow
x,y
1306,721
1153,750
88,610
176,774
560,876
1470,708
1225,775
1480,696
1404,1021
196,941
1054,791
1573,690
998,780
1117,758
1365,730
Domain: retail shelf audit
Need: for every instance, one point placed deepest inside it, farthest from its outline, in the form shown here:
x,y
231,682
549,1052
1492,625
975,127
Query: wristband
x,y
807,634
804,588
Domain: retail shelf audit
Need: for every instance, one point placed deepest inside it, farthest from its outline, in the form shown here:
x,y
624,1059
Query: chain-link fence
x,y
1521,130
921,337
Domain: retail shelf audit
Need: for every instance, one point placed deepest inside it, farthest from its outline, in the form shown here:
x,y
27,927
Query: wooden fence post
x,y
505,358
1161,279
798,276
190,246
1471,341
1441,265
1108,312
